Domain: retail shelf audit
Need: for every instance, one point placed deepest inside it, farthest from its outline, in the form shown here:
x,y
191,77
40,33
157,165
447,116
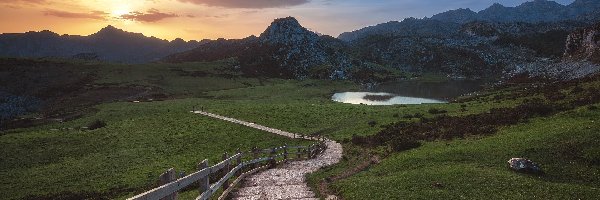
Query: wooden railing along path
x,y
230,167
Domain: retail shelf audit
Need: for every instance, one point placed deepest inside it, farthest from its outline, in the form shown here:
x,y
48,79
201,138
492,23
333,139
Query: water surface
x,y
409,92
359,98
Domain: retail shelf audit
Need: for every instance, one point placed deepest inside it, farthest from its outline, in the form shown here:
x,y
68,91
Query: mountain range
x,y
447,24
469,49
459,43
109,44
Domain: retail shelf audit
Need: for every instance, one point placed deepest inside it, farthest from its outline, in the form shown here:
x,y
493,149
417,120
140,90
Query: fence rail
x,y
169,185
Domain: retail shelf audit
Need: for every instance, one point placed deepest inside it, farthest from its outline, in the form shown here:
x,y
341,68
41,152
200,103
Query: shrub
x,y
416,115
359,140
435,111
577,89
96,125
404,142
372,123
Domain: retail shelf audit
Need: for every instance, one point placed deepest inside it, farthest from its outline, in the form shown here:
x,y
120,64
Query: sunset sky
x,y
211,19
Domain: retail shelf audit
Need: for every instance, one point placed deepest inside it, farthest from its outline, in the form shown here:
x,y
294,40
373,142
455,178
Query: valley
x,y
421,108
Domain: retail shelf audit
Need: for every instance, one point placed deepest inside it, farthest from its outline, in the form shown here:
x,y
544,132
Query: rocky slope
x,y
581,58
459,43
108,44
584,44
284,49
467,44
448,23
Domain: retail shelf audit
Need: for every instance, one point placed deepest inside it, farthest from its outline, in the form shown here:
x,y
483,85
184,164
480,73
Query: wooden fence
x,y
230,167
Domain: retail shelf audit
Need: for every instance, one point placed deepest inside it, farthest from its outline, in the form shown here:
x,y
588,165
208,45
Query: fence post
x,y
285,152
204,182
308,151
167,177
226,170
254,157
239,162
272,161
299,152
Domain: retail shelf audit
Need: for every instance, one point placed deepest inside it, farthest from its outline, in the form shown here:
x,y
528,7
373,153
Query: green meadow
x,y
142,140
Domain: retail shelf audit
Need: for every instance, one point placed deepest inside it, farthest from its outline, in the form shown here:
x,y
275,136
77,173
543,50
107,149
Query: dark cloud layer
x,y
249,3
152,15
99,15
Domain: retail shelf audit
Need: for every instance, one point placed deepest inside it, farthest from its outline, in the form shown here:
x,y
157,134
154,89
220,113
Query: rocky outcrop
x,y
295,47
109,44
524,166
284,49
584,44
581,58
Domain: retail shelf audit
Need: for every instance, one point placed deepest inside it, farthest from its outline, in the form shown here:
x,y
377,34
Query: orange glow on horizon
x,y
161,19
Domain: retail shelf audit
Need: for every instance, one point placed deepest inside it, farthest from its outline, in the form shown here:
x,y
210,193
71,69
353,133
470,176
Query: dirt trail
x,y
288,180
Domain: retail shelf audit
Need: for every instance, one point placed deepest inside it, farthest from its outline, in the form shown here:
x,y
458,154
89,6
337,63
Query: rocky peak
x,y
540,3
540,6
110,29
287,31
113,32
496,6
45,33
460,15
178,41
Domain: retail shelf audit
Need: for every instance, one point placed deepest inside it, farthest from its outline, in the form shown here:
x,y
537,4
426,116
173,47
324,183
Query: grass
x,y
190,79
565,145
305,107
139,142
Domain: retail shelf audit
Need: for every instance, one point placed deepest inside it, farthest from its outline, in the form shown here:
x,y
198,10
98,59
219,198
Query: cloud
x,y
18,4
99,15
23,1
257,4
152,15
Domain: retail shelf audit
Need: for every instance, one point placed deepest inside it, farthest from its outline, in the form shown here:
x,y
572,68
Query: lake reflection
x,y
359,98
409,92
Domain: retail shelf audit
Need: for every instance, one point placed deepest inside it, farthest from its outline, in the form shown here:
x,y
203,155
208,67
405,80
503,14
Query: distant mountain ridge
x,y
108,44
284,49
537,11
531,12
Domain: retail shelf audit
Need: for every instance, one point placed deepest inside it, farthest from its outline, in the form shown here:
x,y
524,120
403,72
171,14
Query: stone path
x,y
288,180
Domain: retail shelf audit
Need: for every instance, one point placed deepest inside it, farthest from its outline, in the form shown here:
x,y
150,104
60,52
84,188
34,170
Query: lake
x,y
409,92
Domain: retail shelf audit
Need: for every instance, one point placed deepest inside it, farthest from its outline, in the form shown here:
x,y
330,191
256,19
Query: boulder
x,y
523,165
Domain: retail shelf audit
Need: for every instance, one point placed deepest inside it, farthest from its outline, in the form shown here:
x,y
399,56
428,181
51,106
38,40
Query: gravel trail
x,y
288,180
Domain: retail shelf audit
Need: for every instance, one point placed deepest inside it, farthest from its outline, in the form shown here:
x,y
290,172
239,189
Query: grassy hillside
x,y
566,146
141,140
